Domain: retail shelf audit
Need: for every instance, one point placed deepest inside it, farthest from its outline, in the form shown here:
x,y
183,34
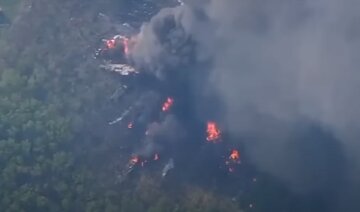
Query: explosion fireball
x,y
213,132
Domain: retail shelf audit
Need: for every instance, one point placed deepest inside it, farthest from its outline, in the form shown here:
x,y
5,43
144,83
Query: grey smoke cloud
x,y
289,61
164,43
160,134
278,66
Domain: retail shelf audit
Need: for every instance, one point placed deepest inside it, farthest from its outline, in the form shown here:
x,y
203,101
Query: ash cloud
x,y
164,46
286,73
160,135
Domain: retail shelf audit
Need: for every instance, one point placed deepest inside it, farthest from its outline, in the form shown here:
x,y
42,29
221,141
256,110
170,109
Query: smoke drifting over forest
x,y
281,74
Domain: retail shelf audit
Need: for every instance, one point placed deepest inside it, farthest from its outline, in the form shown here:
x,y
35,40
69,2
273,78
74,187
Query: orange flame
x,y
110,44
167,104
213,133
135,159
156,156
235,155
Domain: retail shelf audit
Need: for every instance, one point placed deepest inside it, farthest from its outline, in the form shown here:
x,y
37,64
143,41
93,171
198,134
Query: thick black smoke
x,y
284,74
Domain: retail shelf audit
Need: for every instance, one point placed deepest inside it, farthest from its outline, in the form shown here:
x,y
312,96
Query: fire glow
x,y
167,104
126,45
135,159
113,43
110,44
234,160
213,132
235,155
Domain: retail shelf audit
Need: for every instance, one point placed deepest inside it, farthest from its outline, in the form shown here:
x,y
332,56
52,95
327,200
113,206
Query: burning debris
x,y
118,41
233,160
167,104
213,132
159,131
134,160
110,44
115,55
235,155
163,48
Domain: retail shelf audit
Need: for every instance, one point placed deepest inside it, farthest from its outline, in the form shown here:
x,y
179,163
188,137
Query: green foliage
x,y
31,134
45,99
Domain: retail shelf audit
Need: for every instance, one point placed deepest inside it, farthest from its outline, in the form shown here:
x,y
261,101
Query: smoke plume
x,y
285,73
160,135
